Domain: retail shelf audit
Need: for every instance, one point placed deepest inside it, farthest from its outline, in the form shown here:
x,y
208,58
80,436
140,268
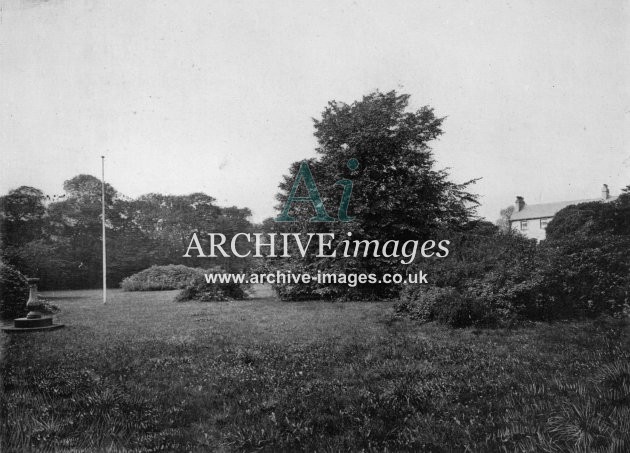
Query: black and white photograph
x,y
315,226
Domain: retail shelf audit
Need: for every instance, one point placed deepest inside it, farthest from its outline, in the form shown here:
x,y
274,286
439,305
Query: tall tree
x,y
75,226
171,219
23,238
398,194
503,222
22,212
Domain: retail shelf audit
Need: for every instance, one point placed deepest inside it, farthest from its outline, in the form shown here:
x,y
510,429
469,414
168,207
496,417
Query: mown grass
x,y
145,373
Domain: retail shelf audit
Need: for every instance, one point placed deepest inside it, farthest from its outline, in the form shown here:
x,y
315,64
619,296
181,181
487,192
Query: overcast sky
x,y
218,96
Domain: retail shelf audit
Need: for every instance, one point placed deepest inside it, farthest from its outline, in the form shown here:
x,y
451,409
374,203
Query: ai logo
x,y
304,174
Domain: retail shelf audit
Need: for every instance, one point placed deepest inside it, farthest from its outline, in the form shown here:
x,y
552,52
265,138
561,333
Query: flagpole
x,y
103,221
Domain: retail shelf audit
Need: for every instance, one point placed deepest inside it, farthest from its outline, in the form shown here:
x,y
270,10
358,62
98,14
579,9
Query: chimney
x,y
605,192
519,204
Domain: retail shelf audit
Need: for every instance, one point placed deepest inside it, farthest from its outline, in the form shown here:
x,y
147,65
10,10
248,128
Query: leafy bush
x,y
299,292
496,278
13,292
584,265
592,219
445,305
488,278
585,276
47,307
421,303
158,278
200,290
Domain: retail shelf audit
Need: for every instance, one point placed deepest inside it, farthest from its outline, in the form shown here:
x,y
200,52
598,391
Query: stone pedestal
x,y
35,320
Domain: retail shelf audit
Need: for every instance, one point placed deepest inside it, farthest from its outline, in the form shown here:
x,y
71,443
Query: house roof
x,y
537,211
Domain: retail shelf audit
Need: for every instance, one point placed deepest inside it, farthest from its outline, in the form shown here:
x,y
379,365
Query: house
x,y
531,220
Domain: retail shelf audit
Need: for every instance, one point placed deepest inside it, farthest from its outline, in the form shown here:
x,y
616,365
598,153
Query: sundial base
x,y
32,325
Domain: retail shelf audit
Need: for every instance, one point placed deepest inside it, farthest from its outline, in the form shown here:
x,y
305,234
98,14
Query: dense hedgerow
x,y
581,270
567,280
203,291
158,278
13,292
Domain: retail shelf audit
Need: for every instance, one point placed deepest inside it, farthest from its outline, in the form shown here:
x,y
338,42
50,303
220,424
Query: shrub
x,y
158,278
292,292
585,276
494,278
350,290
339,292
584,265
592,219
47,307
488,278
200,290
421,302
465,310
13,292
445,305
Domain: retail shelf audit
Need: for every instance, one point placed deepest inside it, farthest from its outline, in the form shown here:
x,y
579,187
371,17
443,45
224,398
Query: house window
x,y
543,223
523,225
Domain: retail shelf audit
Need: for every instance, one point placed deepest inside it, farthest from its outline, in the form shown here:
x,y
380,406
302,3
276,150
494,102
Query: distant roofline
x,y
558,205
532,218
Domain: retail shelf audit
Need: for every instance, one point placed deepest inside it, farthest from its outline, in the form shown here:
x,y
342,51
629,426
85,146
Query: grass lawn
x,y
145,373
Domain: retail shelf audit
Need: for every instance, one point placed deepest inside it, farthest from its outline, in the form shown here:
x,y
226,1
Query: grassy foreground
x,y
145,373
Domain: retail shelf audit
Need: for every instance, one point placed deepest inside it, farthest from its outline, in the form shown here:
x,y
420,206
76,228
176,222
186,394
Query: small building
x,y
531,220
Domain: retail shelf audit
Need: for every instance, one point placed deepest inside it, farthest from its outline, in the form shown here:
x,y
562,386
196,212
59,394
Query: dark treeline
x,y
59,239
